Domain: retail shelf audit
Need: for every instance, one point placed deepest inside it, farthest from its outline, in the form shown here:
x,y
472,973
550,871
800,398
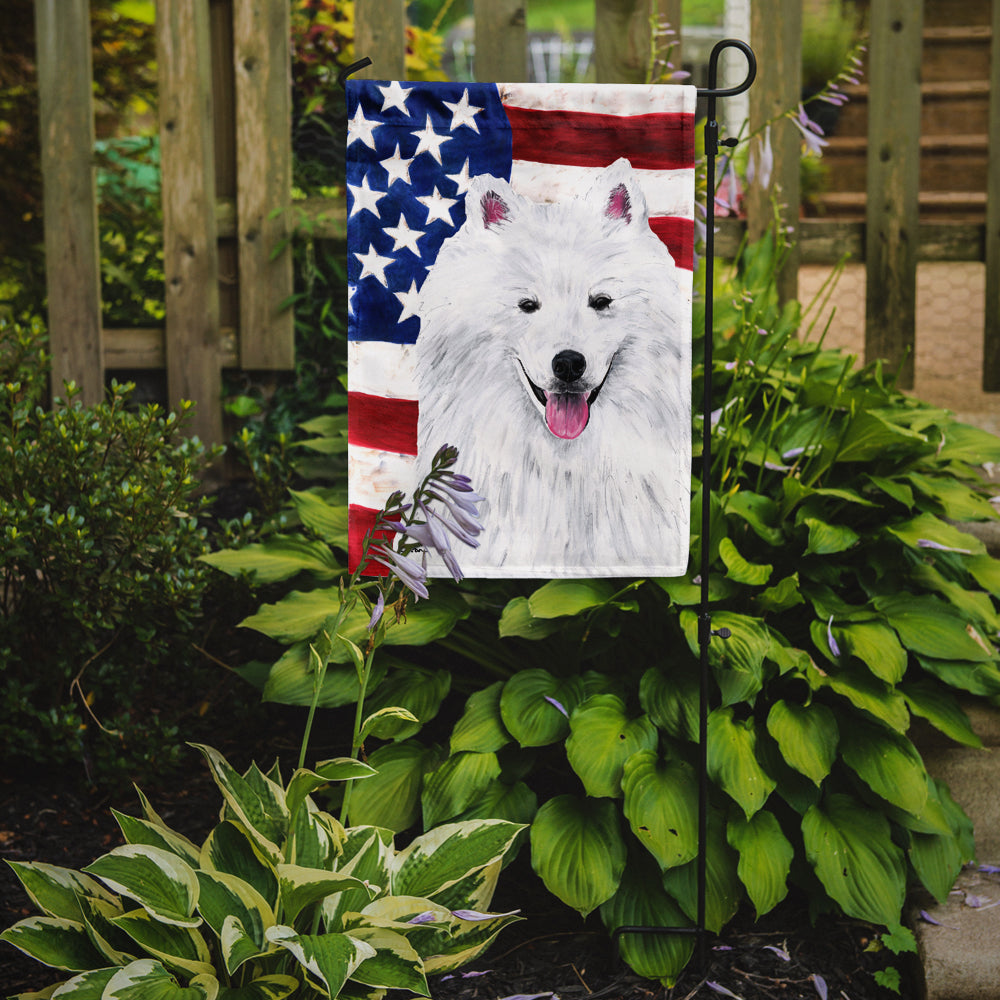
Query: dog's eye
x,y
599,302
529,305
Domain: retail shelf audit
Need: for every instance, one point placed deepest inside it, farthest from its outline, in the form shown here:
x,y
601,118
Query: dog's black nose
x,y
568,366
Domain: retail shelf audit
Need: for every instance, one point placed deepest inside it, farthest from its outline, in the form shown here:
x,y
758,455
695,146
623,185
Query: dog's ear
x,y
489,202
616,193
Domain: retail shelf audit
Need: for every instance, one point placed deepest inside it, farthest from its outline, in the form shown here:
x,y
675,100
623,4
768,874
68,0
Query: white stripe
x,y
667,192
379,368
637,99
373,476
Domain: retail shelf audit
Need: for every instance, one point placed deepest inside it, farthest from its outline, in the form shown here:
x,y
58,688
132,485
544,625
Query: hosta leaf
x,y
301,887
850,848
230,849
870,435
641,901
928,528
723,889
670,698
976,678
456,784
391,798
558,598
291,680
225,897
578,851
327,520
888,763
876,646
517,620
304,782
740,570
986,571
965,443
180,948
56,891
386,723
395,964
441,857
481,727
466,941
765,858
366,855
941,709
957,501
738,661
937,860
415,689
98,915
758,511
516,803
330,959
86,986
147,979
141,831
54,941
684,592
732,760
783,595
661,800
159,881
807,736
273,987
976,605
601,739
866,692
827,539
280,557
530,706
932,628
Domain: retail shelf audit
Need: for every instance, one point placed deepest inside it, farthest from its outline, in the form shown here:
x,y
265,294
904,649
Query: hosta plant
x,y
279,900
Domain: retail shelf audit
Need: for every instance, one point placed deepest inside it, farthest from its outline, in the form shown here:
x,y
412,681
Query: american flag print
x,y
416,152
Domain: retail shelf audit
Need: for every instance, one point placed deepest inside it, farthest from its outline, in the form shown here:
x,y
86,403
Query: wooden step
x,y
956,53
947,162
939,13
958,206
947,106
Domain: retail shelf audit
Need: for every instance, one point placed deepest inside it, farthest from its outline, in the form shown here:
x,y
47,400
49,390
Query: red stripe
x,y
361,520
584,139
678,235
382,423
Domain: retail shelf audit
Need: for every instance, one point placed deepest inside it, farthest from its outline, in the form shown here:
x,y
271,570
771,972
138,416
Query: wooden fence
x,y
226,160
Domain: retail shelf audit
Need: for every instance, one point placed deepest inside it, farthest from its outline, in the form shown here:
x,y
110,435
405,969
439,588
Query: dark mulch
x,y
551,951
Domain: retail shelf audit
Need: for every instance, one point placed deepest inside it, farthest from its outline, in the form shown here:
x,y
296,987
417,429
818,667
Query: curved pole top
x,y
713,69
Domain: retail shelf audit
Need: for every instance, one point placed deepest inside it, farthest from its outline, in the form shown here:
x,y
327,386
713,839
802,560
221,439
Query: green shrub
x,y
99,539
854,602
279,900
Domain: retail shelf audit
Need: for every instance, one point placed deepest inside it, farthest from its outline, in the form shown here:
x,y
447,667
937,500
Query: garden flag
x,y
519,276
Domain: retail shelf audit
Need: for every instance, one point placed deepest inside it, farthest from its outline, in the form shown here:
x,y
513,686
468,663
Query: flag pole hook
x,y
705,630
348,70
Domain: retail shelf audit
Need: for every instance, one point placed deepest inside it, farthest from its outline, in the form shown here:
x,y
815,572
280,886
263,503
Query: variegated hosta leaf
x,y
661,800
441,857
329,959
273,987
465,942
315,838
230,849
56,891
225,897
367,853
732,760
304,782
54,941
395,964
850,847
456,784
300,887
642,902
256,801
765,858
86,986
147,979
141,831
723,889
158,880
807,736
578,851
177,947
602,737
476,890
481,727
116,946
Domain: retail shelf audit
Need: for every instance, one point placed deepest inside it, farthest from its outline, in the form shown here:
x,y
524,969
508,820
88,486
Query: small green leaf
x,y
327,520
807,736
740,570
888,763
279,558
481,727
578,851
765,858
783,595
384,723
671,700
558,598
827,539
936,704
732,760
928,528
418,690
517,620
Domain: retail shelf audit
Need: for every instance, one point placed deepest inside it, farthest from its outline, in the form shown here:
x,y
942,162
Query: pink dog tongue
x,y
566,413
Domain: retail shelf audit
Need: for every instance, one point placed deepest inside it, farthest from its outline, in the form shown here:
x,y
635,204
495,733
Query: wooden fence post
x,y
622,40
190,251
380,34
501,41
72,255
262,60
893,183
991,333
776,34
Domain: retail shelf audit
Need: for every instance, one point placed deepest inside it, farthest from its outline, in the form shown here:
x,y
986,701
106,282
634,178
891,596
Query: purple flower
x,y
427,917
927,543
377,611
780,952
719,988
475,915
811,132
761,164
820,983
552,701
834,648
411,574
